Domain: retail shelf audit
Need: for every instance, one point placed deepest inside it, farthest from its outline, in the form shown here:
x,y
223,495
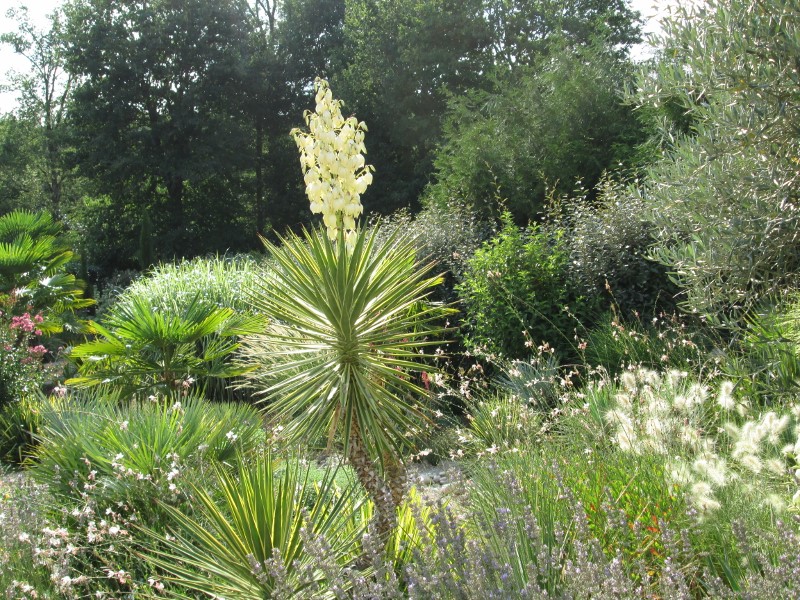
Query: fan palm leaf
x,y
33,262
143,349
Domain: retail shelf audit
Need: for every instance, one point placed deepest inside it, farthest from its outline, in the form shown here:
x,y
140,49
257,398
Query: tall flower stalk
x,y
332,159
349,320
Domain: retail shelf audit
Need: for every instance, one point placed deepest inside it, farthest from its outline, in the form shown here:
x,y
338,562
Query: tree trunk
x,y
261,209
386,494
178,239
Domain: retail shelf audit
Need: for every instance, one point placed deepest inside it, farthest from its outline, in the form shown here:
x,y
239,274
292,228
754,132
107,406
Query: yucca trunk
x,y
387,491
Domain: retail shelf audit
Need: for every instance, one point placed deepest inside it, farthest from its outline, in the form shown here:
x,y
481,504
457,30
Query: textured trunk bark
x,y
386,494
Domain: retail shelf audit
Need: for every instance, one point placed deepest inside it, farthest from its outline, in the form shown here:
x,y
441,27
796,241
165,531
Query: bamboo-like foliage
x,y
247,540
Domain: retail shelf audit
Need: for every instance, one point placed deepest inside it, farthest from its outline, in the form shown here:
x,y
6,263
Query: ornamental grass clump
x,y
350,316
711,443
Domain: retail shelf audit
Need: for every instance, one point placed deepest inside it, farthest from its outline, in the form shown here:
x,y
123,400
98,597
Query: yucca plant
x,y
145,349
247,538
342,364
350,316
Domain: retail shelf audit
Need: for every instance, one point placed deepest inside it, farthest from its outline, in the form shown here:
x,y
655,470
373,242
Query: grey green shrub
x,y
609,243
723,198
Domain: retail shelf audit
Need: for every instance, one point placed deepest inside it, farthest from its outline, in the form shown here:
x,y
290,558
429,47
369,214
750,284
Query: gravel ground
x,y
443,482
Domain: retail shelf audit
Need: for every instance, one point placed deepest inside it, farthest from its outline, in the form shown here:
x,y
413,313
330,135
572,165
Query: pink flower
x,y
426,381
25,323
38,349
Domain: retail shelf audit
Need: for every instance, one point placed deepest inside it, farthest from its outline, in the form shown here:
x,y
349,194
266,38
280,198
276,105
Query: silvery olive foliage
x,y
724,197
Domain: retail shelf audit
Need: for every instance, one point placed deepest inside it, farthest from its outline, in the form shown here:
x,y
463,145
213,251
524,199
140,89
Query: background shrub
x,y
569,125
447,235
127,452
764,356
516,294
19,427
609,243
178,325
144,349
219,281
111,467
21,353
665,341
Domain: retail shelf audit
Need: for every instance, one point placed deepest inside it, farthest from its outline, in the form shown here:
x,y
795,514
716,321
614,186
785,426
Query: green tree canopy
x,y
407,59
523,30
156,111
557,126
43,94
404,59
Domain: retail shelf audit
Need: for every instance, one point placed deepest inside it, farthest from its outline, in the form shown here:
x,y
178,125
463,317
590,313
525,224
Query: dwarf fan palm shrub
x,y
111,467
33,261
142,348
129,448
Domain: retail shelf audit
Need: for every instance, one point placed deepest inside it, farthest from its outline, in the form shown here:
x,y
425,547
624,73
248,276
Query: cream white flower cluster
x,y
332,159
